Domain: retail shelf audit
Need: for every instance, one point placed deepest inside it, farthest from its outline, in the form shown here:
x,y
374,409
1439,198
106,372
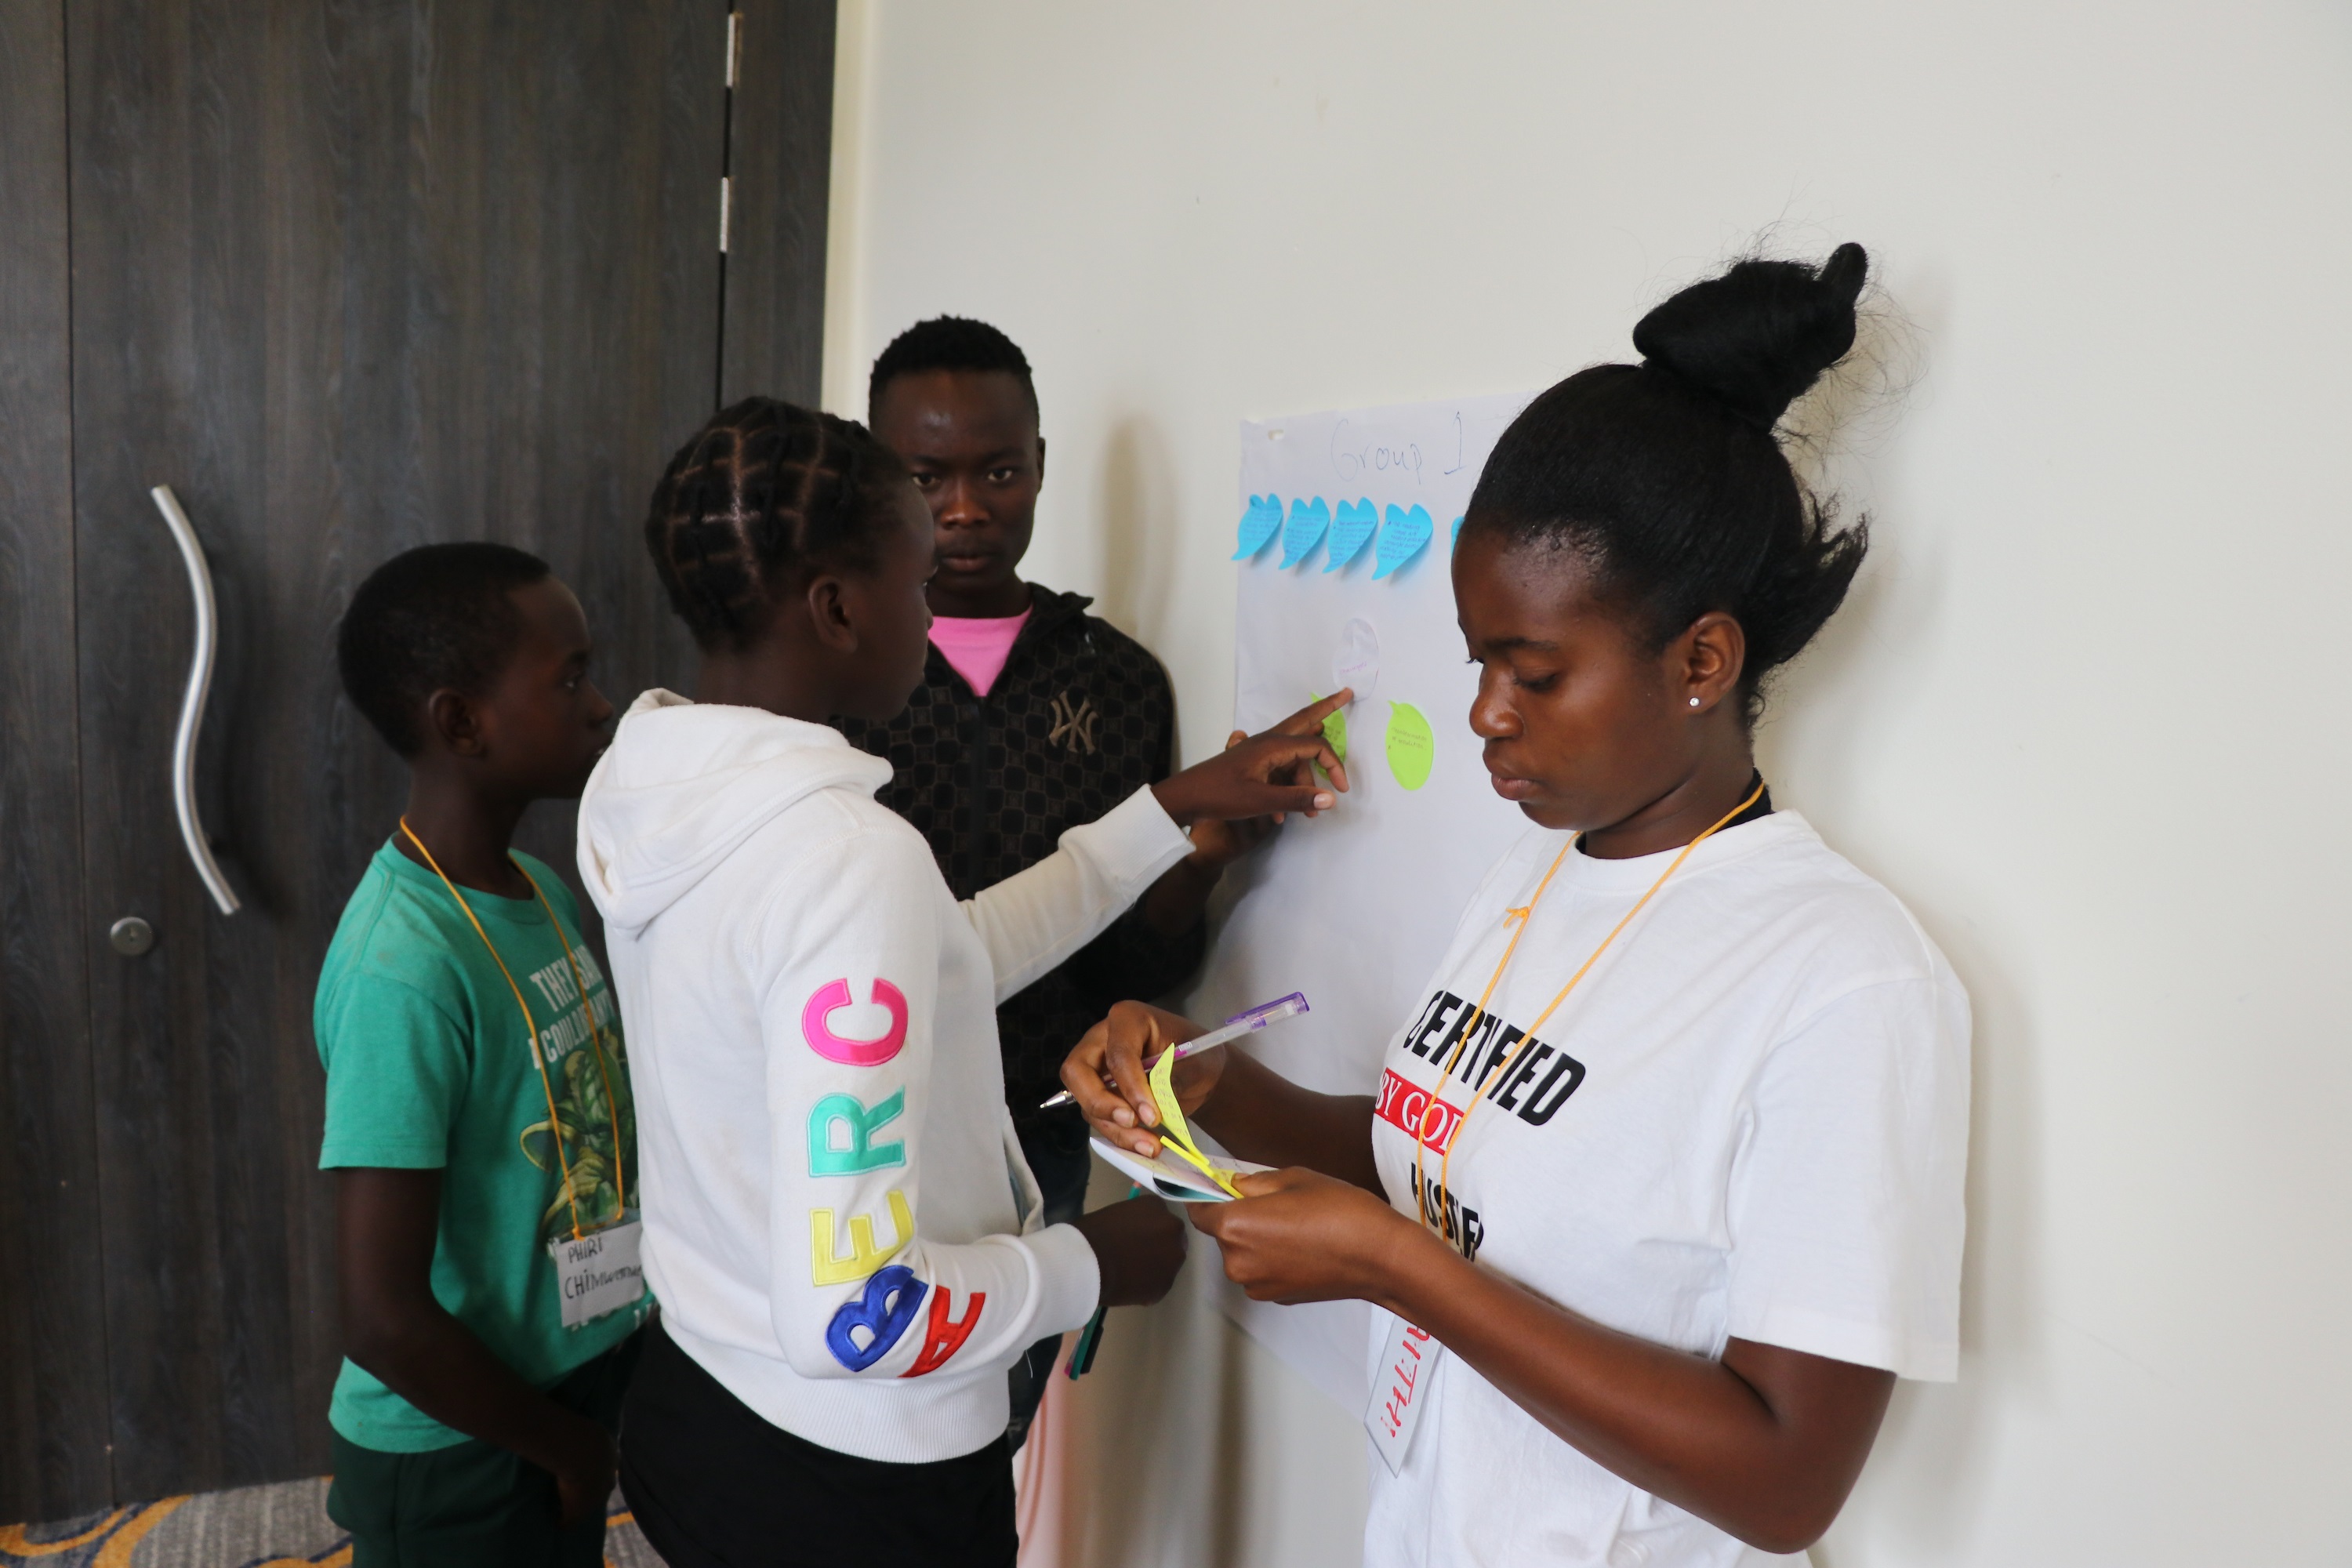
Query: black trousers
x,y
714,1486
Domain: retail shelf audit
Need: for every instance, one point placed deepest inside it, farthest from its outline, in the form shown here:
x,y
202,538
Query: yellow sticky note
x,y
1173,1130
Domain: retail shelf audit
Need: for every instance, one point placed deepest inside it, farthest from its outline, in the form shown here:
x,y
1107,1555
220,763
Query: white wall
x,y
2085,713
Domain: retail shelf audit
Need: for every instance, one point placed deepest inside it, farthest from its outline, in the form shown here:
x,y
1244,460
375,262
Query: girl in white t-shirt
x,y
1660,1189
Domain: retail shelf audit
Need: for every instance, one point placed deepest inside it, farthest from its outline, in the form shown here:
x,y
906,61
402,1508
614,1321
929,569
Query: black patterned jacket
x,y
1081,718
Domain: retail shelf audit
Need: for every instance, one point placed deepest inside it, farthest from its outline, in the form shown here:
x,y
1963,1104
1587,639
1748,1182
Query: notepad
x,y
1182,1169
1169,1176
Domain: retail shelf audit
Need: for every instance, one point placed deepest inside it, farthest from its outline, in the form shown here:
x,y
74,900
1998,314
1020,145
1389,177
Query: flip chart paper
x,y
1356,664
1358,903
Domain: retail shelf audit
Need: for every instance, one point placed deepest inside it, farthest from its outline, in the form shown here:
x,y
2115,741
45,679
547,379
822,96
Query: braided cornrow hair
x,y
765,492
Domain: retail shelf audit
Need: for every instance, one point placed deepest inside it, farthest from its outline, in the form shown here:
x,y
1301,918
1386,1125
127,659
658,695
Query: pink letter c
x,y
834,994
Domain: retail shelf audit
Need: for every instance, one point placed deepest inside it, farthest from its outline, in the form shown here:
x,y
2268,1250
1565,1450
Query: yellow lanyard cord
x,y
1523,918
539,1057
596,1044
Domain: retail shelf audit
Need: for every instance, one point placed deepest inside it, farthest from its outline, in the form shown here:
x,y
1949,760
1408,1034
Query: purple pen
x,y
1241,1023
1234,1028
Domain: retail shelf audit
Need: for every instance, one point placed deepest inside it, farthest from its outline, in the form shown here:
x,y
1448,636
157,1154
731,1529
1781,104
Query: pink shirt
x,y
977,648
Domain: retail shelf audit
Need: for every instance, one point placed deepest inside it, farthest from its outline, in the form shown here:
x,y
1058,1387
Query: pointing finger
x,y
1309,719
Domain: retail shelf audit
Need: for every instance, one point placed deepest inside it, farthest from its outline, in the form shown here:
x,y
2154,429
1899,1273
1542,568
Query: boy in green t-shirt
x,y
478,1117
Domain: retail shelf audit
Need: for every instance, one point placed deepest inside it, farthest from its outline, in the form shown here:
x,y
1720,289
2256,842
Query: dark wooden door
x,y
52,1418
350,275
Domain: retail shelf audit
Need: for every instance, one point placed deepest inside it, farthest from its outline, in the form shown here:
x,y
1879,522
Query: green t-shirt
x,y
428,1066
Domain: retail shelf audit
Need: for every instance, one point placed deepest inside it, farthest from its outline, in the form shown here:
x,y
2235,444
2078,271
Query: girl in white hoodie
x,y
838,1222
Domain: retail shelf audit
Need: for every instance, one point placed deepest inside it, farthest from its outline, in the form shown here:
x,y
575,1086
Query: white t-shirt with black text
x,y
1750,1119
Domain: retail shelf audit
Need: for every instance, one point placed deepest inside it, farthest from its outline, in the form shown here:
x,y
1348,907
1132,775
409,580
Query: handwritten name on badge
x,y
599,1273
1400,1391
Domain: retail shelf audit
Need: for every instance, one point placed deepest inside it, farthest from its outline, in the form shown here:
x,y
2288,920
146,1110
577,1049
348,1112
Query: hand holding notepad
x,y
1181,1170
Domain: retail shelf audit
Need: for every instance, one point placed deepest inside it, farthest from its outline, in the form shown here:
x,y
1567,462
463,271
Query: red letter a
x,y
944,1339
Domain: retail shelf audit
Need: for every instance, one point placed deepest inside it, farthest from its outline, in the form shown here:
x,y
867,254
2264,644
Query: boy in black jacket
x,y
1033,717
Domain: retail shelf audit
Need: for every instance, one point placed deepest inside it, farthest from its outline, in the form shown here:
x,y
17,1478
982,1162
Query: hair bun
x,y
1757,337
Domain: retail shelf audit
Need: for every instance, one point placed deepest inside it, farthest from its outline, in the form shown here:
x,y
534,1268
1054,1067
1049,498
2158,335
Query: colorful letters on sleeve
x,y
833,995
883,1312
841,1142
861,1153
943,1338
828,1267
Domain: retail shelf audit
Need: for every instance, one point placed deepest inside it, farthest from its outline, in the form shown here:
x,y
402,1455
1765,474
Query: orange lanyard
x,y
595,1036
1522,919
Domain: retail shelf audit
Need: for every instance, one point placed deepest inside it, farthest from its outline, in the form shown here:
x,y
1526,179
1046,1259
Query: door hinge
x,y
725,188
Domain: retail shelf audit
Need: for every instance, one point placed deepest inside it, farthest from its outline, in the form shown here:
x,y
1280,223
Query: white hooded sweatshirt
x,y
839,1224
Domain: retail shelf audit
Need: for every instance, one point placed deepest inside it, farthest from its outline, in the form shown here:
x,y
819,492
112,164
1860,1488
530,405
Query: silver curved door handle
x,y
192,701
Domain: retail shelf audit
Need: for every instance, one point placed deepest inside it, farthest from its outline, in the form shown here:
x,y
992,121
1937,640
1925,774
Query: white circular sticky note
x,y
1356,664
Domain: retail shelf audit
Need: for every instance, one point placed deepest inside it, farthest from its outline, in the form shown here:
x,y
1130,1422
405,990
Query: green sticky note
x,y
1412,747
1335,728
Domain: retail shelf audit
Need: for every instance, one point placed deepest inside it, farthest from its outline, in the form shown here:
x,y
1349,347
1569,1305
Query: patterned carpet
x,y
283,1526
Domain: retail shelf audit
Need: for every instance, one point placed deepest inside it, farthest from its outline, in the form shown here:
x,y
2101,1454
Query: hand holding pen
x,y
1082,1357
1234,1028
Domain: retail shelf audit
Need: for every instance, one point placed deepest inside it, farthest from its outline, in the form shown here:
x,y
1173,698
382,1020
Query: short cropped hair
x,y
432,617
948,342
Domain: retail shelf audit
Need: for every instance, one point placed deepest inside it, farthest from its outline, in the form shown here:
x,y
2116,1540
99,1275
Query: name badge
x,y
599,1273
1400,1389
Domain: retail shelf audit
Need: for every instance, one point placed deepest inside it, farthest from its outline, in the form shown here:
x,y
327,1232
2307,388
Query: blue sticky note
x,y
1259,524
1351,530
1404,537
1305,530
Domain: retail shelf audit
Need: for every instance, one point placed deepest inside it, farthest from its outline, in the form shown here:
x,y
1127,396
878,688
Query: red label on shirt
x,y
1413,1108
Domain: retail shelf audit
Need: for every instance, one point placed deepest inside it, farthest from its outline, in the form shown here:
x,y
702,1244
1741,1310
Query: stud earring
x,y
1693,701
